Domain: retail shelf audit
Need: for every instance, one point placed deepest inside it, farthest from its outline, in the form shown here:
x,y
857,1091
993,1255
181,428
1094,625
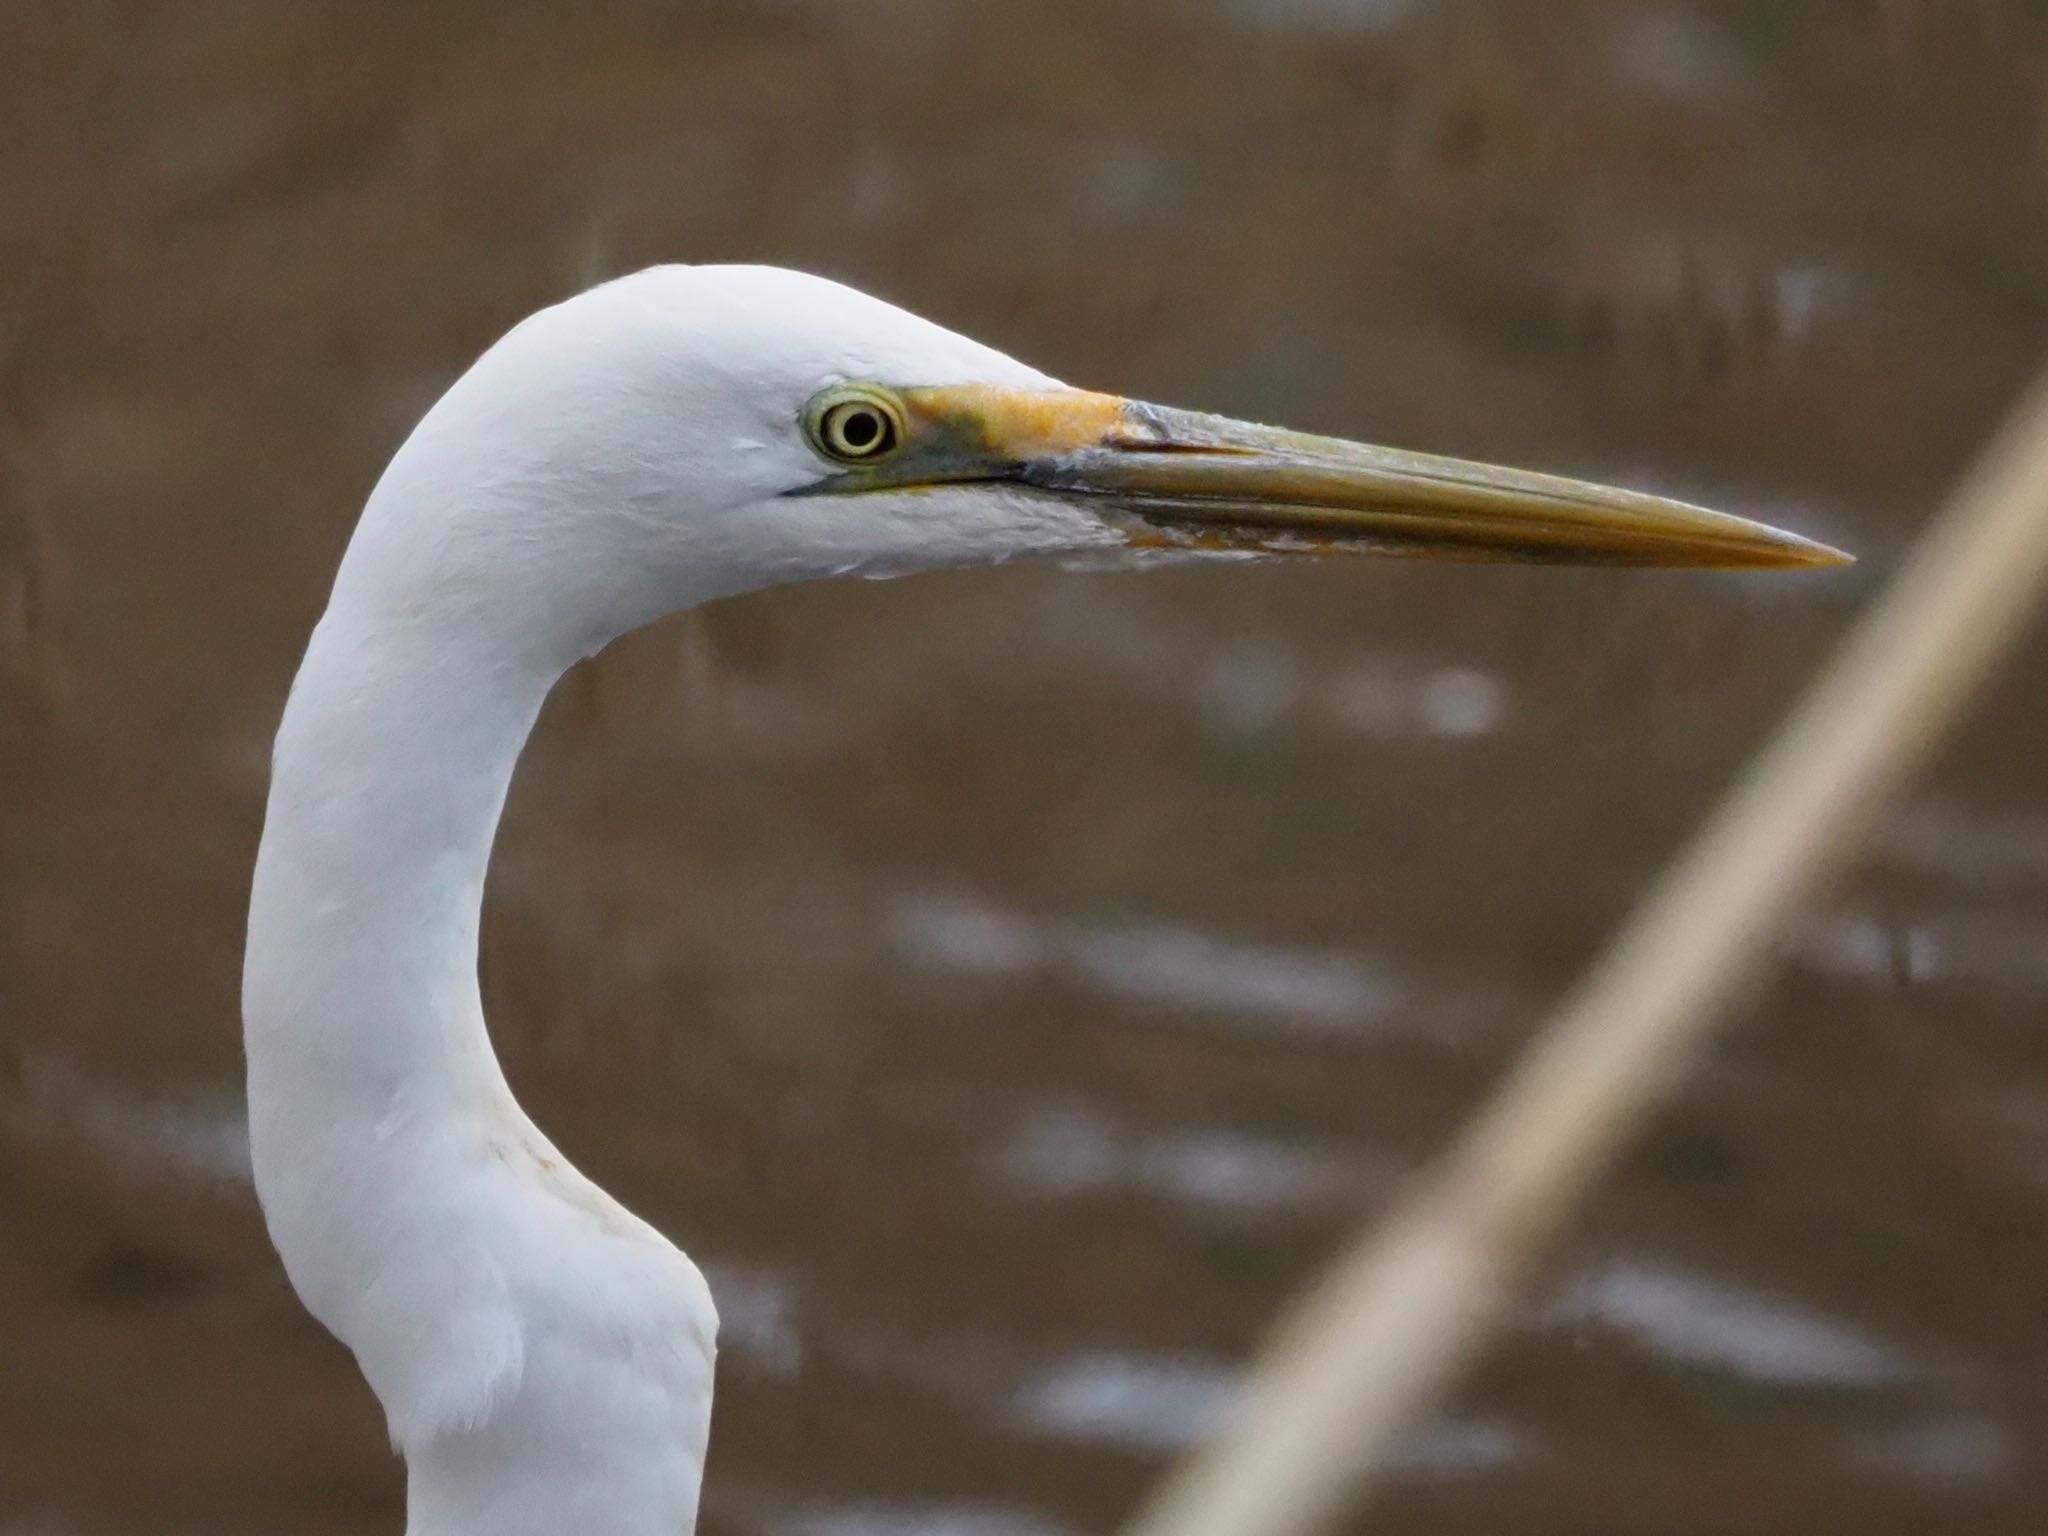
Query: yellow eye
x,y
855,426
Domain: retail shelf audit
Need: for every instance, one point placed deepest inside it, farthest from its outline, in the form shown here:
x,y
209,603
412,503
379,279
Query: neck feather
x,y
389,775
482,1282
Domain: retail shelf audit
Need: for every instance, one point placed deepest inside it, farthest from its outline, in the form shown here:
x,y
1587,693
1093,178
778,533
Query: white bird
x,y
544,1357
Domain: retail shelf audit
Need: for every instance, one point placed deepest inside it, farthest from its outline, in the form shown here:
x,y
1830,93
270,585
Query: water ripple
x,y
1157,964
1065,1148
1702,1322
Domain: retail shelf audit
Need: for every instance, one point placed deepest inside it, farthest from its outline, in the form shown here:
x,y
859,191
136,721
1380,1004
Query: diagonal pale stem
x,y
1376,1342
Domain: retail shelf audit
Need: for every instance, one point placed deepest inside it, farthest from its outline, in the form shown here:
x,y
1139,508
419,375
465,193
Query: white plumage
x,y
543,1356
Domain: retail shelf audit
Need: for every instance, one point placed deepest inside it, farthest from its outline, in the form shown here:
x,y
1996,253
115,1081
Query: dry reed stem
x,y
1371,1347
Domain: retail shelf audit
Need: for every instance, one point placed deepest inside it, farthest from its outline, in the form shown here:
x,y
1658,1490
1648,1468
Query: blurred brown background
x,y
1009,984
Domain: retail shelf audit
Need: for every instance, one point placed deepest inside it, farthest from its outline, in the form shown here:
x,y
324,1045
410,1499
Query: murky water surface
x,y
1010,984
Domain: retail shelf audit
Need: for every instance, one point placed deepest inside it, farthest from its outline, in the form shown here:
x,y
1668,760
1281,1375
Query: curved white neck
x,y
483,1284
389,774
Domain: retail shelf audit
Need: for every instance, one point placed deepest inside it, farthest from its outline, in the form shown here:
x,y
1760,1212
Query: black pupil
x,y
860,429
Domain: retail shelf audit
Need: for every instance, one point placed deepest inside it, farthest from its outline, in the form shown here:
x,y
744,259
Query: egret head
x,y
693,431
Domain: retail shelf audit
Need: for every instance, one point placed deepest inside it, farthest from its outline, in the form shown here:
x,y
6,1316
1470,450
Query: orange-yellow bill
x,y
1171,477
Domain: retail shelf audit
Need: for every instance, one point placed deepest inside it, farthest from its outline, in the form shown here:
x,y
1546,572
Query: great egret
x,y
544,1357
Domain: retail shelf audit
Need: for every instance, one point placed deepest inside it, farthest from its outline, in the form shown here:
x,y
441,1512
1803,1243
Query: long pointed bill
x,y
1171,477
